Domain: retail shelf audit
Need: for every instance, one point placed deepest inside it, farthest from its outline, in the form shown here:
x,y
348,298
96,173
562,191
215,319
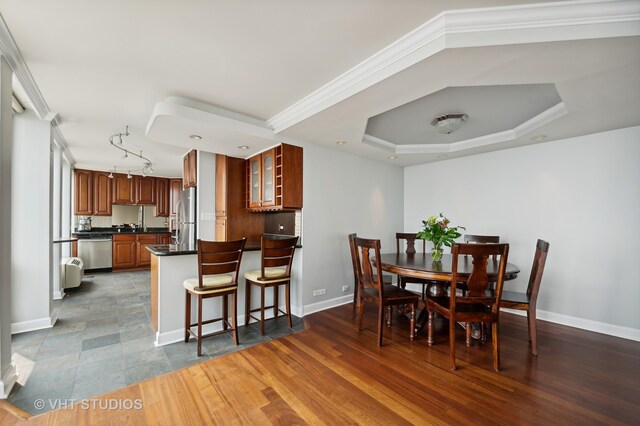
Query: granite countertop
x,y
176,250
122,231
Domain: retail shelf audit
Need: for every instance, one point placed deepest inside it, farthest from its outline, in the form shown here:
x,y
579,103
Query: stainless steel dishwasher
x,y
95,251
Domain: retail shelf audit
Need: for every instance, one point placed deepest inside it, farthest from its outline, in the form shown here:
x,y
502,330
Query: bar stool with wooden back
x,y
476,306
371,286
387,279
218,267
527,301
275,270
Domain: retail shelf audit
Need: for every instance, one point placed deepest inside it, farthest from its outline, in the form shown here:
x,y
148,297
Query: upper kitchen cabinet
x,y
92,193
145,189
162,197
190,169
274,179
123,190
83,192
102,194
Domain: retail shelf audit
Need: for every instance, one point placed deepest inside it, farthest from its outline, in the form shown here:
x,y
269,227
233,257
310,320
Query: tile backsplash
x,y
128,214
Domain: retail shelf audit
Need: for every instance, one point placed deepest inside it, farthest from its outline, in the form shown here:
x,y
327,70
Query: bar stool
x,y
218,267
275,270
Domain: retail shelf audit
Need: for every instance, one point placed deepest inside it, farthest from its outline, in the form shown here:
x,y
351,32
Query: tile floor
x,y
103,340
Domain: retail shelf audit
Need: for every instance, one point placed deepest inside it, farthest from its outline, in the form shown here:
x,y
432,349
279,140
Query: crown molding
x,y
544,22
12,54
528,126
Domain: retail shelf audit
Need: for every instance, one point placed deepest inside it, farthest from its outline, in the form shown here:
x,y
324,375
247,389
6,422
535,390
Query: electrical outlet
x,y
320,292
345,288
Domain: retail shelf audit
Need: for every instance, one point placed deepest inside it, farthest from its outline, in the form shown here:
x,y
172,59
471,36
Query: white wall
x,y
31,206
344,194
8,374
580,194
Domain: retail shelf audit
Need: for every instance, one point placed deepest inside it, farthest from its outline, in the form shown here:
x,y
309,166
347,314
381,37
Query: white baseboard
x,y
326,304
58,294
9,379
32,325
584,324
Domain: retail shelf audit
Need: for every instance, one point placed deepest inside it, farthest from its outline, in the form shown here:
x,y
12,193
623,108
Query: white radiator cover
x,y
72,271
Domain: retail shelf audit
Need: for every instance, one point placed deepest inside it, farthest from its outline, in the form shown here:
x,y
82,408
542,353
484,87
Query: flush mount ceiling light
x,y
243,147
195,137
539,138
116,142
393,157
341,142
448,123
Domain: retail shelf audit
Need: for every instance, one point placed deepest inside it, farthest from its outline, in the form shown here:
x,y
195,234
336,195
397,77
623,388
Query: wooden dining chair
x,y
476,305
275,270
406,241
372,288
387,279
527,301
218,267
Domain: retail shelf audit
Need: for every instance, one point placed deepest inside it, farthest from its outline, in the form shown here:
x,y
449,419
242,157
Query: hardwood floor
x,y
332,374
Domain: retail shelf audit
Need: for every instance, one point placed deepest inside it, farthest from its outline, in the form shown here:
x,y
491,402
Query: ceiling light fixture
x,y
118,145
111,172
341,142
195,137
448,123
129,174
539,138
243,147
393,157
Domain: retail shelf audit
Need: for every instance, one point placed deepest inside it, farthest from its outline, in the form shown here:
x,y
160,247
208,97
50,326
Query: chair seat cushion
x,y
272,274
211,283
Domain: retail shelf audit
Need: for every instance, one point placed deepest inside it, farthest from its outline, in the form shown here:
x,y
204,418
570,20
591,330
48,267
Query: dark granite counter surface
x,y
102,231
176,250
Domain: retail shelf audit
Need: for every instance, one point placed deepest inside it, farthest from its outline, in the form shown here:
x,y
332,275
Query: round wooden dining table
x,y
421,265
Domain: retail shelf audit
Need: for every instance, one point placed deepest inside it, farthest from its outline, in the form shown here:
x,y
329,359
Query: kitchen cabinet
x,y
130,250
190,169
145,190
102,194
123,189
124,251
274,179
162,197
83,192
233,220
143,256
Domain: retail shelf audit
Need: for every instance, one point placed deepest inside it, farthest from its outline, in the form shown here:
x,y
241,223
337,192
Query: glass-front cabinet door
x,y
268,178
254,182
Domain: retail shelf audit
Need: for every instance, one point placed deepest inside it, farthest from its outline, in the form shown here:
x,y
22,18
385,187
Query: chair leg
x,y
247,302
412,322
360,312
234,316
276,300
199,325
225,311
452,343
467,328
430,329
495,339
287,290
262,310
355,295
533,332
187,316
380,322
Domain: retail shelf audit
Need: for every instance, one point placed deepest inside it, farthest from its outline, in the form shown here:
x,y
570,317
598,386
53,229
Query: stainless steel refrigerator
x,y
186,218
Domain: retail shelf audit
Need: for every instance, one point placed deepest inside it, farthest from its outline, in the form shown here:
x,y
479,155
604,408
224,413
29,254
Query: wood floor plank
x,y
333,374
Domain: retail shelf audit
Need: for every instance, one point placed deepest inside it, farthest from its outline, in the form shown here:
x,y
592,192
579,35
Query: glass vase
x,y
436,253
